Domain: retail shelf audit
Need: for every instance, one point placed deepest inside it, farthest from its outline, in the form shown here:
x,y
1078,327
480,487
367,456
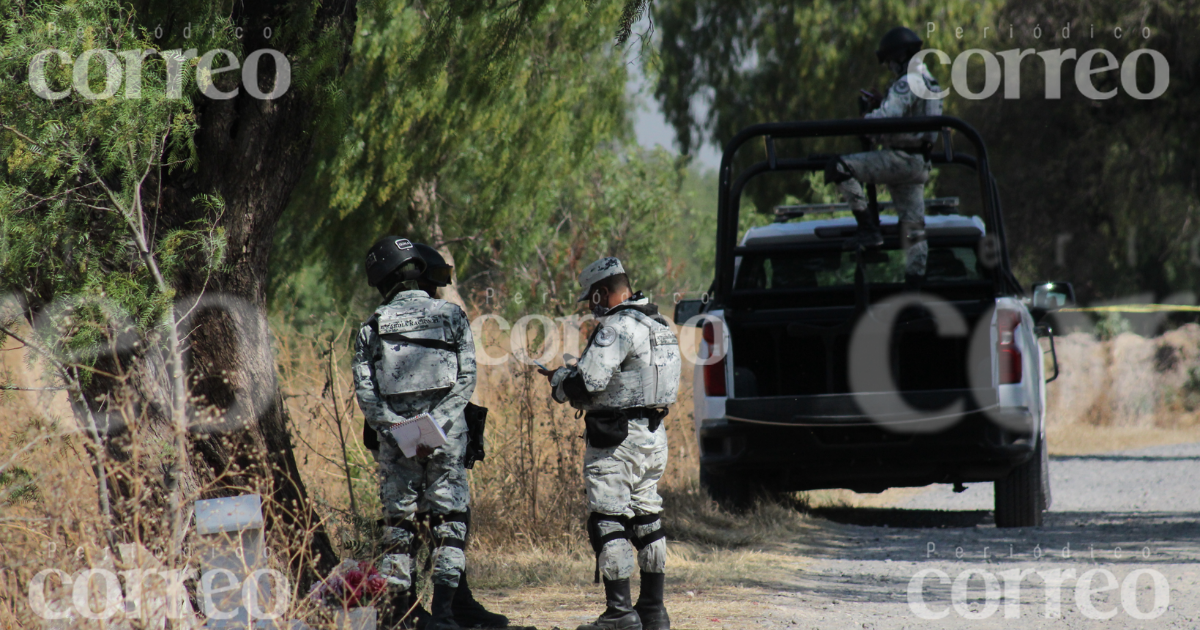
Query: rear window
x,y
834,268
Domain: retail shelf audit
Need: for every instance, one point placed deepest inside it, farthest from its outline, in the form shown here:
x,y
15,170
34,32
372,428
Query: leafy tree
x,y
137,228
134,229
468,150
1069,167
1104,193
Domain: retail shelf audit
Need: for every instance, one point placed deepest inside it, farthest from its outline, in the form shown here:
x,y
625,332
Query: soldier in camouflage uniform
x,y
416,355
626,378
903,164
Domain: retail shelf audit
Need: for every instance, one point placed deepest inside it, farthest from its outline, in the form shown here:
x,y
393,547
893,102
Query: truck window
x,y
833,268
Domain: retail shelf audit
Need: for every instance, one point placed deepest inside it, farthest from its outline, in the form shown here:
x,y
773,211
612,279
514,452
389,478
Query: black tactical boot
x,y
649,606
619,615
868,235
470,613
419,617
441,609
393,610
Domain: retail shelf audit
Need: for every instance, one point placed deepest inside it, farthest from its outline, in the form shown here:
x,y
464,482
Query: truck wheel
x,y
1024,494
731,491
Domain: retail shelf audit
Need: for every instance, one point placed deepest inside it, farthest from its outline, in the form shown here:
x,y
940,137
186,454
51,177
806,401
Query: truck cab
x,y
822,368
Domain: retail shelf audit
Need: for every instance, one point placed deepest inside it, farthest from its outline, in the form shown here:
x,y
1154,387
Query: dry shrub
x,y
50,516
528,497
693,517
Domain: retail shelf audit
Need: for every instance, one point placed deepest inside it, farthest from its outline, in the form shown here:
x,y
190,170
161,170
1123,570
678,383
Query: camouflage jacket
x,y
415,355
902,102
631,360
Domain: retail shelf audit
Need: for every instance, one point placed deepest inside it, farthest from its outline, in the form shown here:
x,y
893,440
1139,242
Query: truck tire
x,y
1024,494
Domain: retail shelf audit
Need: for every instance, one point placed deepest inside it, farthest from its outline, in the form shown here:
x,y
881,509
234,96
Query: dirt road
x,y
1128,520
1124,529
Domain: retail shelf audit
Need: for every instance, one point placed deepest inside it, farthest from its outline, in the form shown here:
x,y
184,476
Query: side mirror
x,y
687,309
1052,296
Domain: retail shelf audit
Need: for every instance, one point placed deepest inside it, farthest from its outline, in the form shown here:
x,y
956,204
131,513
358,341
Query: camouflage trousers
x,y
905,175
622,480
437,484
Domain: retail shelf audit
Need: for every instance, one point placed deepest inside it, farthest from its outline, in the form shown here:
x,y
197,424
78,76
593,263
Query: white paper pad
x,y
420,430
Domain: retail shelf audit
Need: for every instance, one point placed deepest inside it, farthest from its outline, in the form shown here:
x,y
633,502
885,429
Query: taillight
x,y
1006,347
714,373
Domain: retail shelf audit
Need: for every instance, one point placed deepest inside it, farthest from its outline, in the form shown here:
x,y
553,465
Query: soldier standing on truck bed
x,y
624,381
902,164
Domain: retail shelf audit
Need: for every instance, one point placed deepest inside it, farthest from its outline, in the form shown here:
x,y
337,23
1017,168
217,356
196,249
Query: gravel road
x,y
1128,520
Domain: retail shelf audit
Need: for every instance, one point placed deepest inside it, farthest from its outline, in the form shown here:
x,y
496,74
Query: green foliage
x,y
1111,324
1189,393
1117,175
73,175
18,485
1069,166
467,128
770,60
623,204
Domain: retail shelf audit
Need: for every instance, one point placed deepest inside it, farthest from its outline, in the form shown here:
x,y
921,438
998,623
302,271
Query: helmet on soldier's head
x,y
437,273
900,44
393,255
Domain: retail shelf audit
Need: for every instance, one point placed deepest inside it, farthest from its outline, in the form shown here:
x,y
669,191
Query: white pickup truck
x,y
826,371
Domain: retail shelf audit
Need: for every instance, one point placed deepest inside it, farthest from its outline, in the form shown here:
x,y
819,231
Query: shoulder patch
x,y
901,85
606,336
665,338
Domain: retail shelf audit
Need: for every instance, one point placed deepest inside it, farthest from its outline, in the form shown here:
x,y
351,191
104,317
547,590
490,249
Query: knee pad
x,y
599,538
642,520
837,171
443,540
397,542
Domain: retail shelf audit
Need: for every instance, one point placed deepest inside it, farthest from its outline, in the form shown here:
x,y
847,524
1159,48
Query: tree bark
x,y
251,154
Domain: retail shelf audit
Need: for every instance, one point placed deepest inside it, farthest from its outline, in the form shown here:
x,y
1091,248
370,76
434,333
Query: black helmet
x,y
899,43
437,273
391,254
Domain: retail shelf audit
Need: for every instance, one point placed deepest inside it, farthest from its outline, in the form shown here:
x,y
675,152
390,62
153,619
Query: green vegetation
x,y
1086,169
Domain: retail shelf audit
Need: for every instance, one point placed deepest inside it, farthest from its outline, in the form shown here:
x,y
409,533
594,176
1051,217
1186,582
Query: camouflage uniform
x,y
901,164
416,355
632,362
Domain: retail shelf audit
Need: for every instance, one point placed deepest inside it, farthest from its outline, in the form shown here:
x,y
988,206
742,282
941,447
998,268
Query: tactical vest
x,y
416,354
918,107
652,381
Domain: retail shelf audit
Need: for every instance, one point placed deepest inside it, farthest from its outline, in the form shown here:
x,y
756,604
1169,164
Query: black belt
x,y
654,414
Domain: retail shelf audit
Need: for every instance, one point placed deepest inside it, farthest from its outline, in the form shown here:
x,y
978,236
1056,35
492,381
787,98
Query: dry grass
x,y
529,552
1082,439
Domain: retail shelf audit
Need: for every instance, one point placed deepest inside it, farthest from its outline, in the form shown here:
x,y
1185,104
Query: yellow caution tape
x,y
1134,308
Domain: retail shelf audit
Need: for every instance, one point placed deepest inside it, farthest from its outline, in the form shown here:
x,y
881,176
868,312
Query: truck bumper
x,y
828,441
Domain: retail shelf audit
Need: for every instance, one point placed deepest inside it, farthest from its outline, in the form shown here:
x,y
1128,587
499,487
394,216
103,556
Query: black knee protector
x,y
452,517
407,525
598,538
837,171
641,542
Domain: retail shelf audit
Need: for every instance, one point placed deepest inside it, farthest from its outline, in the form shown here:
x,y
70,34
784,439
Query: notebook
x,y
417,431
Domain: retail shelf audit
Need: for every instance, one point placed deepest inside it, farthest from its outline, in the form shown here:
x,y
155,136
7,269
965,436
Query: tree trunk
x,y
251,154
425,207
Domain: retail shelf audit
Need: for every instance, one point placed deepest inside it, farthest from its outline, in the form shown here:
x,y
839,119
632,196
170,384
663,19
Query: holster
x,y
476,421
604,429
